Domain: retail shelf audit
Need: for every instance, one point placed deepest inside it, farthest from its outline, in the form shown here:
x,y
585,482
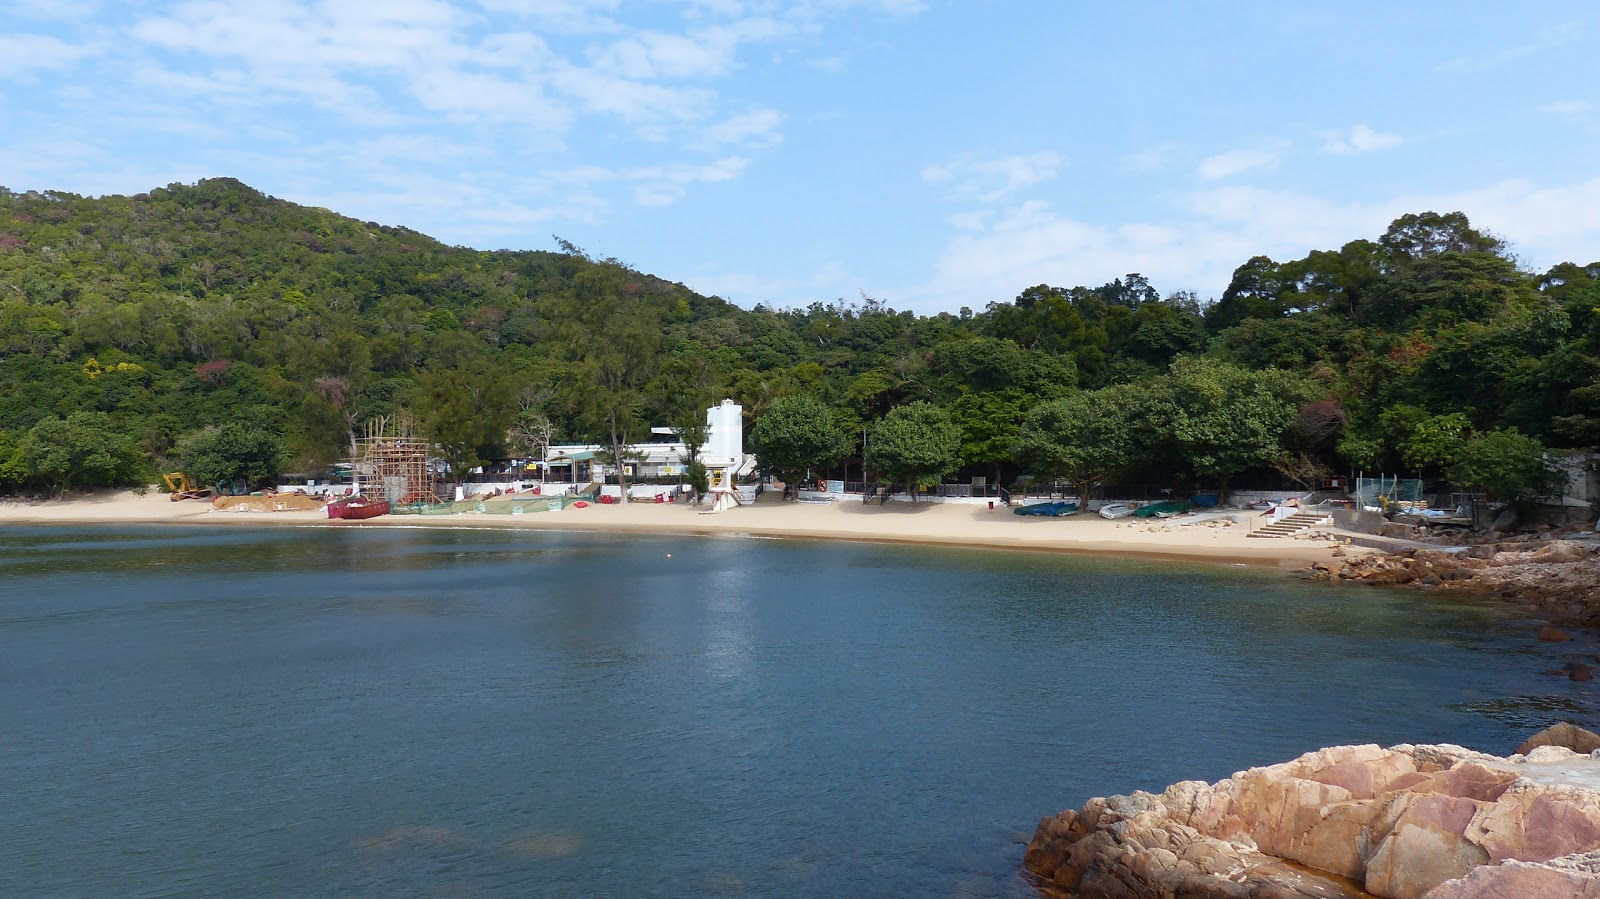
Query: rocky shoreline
x,y
1407,822
1551,575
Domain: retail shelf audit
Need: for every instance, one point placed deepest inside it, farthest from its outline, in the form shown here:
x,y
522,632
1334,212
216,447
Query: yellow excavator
x,y
179,487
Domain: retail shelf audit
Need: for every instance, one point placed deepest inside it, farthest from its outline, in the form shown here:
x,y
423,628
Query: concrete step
x,y
1294,524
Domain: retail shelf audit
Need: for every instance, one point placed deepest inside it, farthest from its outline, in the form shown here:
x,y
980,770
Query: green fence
x,y
498,505
1385,492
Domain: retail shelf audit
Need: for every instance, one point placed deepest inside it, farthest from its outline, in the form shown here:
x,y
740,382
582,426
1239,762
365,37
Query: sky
x,y
932,154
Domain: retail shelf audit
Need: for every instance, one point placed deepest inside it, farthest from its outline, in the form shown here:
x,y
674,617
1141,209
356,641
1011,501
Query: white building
x,y
661,456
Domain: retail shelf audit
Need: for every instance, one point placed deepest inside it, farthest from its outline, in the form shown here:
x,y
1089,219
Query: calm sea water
x,y
321,712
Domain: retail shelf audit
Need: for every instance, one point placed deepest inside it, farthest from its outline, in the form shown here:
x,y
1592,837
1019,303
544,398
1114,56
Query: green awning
x,y
584,456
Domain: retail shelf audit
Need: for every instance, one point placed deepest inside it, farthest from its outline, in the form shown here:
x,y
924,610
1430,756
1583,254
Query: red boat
x,y
358,508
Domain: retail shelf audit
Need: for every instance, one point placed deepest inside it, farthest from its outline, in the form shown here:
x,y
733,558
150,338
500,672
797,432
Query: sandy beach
x,y
895,522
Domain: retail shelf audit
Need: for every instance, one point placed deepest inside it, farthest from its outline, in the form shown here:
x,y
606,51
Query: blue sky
x,y
931,153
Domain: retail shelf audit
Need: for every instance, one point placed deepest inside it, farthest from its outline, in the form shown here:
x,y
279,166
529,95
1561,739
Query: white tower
x,y
724,452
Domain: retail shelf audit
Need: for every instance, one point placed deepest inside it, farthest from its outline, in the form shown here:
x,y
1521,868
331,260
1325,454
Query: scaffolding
x,y
394,462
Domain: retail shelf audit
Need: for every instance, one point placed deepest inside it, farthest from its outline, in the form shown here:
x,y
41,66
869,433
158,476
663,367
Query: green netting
x,y
499,505
1384,491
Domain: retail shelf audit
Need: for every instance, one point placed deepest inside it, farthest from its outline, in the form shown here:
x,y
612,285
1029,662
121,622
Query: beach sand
x,y
846,519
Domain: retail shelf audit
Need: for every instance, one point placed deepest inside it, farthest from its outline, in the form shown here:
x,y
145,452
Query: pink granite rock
x,y
1402,821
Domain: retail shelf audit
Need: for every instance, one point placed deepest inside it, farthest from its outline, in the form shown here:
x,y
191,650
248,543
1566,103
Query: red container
x,y
357,509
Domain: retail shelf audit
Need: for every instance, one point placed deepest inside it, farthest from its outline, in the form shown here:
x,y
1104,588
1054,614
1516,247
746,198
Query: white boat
x,y
1113,511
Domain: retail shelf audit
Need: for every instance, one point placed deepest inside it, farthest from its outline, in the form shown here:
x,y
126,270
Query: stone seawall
x,y
1407,822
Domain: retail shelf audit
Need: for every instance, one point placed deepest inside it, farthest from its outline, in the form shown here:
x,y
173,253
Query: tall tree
x,y
916,444
231,452
1507,465
1226,419
614,337
463,414
1088,438
82,450
797,435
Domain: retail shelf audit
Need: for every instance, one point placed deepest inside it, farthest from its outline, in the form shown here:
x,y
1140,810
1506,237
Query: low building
x,y
662,456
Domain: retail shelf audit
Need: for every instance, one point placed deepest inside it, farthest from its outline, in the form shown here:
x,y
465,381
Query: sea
x,y
397,712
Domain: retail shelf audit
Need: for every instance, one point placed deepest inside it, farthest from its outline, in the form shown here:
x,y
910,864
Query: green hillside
x,y
130,325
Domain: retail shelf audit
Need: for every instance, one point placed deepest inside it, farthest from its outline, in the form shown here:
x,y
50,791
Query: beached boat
x,y
357,509
1162,509
1113,511
1056,508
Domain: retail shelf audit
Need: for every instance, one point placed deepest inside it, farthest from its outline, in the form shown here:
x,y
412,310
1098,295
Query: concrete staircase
x,y
771,496
1294,524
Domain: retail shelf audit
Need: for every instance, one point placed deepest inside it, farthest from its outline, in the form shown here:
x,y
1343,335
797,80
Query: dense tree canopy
x,y
145,320
915,444
233,451
795,437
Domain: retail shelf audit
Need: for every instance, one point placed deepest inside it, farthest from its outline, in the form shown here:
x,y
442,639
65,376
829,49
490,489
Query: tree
x,y
1087,438
531,433
694,431
614,337
463,415
231,452
1417,235
1225,419
916,444
795,435
990,424
82,450
1508,465
1430,439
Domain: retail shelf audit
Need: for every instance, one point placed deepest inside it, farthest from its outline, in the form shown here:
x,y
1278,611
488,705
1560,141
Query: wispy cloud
x,y
1235,162
1546,39
989,179
1360,139
21,53
1571,110
1207,232
1152,159
755,128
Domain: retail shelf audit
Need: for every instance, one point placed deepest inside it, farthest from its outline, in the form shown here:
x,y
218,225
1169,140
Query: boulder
x,y
1407,822
1566,735
1561,551
1552,635
1520,879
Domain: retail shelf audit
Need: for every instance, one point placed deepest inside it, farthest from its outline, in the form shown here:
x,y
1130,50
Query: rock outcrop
x,y
1566,735
1553,578
1408,822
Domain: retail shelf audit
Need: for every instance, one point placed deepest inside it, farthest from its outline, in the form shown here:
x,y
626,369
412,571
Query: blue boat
x,y
1054,509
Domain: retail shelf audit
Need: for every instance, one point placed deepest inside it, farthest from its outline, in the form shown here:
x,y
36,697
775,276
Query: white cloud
x,y
1547,39
1235,162
663,186
52,10
991,179
1572,110
652,55
25,52
830,65
1361,139
562,16
1152,159
756,128
1210,232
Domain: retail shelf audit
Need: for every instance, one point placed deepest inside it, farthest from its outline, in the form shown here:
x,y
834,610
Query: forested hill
x,y
133,328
